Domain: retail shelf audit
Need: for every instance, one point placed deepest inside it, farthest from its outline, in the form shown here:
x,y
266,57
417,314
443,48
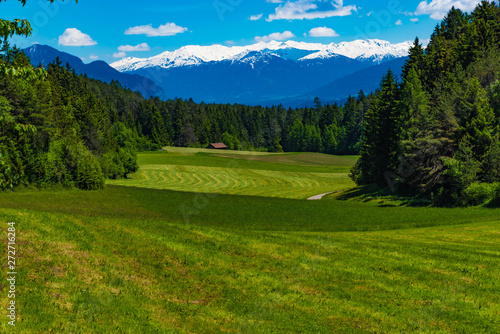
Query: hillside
x,y
99,70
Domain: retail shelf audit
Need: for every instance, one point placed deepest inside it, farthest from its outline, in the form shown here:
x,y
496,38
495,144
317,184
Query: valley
x,y
156,260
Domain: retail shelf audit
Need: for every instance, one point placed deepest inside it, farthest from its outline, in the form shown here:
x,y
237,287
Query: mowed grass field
x,y
242,173
139,260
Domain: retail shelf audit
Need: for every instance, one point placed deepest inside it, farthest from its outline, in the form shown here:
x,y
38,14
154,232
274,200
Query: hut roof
x,y
218,145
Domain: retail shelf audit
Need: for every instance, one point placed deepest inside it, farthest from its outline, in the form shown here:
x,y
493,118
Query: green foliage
x,y
71,165
355,173
231,142
475,118
478,193
297,138
463,169
5,117
448,108
416,119
276,146
491,163
415,61
116,165
57,168
11,172
14,27
380,137
89,175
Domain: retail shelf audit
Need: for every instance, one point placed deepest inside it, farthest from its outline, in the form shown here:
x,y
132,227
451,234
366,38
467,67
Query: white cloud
x,y
74,37
323,32
414,19
399,23
168,29
130,48
93,57
437,9
119,55
274,1
277,36
255,17
311,9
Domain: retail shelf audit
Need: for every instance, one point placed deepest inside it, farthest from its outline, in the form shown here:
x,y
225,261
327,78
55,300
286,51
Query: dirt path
x,y
320,196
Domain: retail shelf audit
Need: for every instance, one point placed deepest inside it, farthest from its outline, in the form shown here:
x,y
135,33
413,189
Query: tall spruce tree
x,y
419,148
415,61
381,133
476,118
491,162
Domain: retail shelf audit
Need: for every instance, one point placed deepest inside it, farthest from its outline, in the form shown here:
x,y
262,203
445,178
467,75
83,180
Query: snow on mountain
x,y
193,55
364,49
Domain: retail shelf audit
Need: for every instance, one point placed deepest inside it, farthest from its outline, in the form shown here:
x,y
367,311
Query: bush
x,y
71,164
89,175
478,193
129,160
111,166
116,165
355,173
57,171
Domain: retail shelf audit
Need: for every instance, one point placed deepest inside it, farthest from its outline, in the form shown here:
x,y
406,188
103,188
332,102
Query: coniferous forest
x,y
59,128
434,132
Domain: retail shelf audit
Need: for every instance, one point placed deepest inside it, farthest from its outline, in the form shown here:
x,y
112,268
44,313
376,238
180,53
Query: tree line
x,y
58,128
436,132
332,129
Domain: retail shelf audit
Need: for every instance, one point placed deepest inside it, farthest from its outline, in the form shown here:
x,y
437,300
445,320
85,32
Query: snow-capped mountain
x,y
262,72
194,55
291,73
375,50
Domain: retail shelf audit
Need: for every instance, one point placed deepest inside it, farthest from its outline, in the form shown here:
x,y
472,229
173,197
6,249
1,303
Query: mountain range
x,y
264,73
291,73
99,70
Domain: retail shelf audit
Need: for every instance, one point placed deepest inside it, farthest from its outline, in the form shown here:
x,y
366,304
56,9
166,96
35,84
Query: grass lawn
x,y
126,260
142,260
232,172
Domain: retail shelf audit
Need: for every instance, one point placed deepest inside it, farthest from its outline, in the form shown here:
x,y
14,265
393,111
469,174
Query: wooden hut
x,y
217,146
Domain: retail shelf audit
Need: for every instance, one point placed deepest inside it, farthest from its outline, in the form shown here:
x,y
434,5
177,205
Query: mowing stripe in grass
x,y
236,181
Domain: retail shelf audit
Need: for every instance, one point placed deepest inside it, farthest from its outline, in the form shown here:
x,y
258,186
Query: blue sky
x,y
109,29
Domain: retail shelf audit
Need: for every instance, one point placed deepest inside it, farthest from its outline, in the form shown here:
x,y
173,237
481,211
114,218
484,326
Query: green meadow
x,y
231,172
183,248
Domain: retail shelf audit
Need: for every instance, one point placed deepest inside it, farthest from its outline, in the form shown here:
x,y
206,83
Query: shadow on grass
x,y
363,193
384,197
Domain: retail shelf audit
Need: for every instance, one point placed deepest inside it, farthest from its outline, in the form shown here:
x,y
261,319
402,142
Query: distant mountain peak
x,y
364,49
100,70
194,55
